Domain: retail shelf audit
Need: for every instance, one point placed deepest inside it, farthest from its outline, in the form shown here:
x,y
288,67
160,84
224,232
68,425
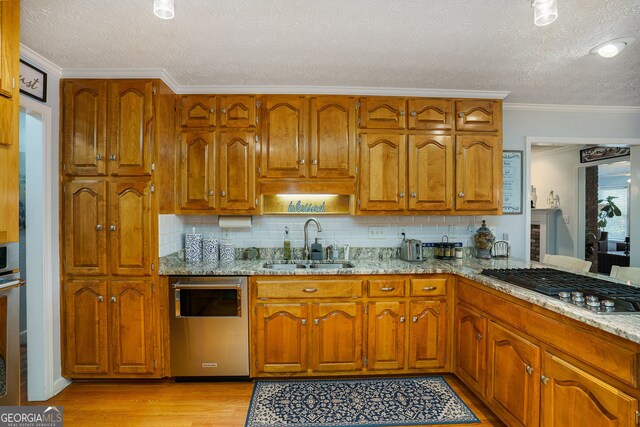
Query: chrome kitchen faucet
x,y
306,252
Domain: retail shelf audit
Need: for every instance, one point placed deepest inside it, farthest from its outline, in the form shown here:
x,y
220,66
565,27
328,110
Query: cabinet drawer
x,y
309,289
386,287
428,287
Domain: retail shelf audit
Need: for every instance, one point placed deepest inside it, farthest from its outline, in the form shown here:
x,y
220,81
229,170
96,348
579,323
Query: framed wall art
x,y
33,82
512,182
593,154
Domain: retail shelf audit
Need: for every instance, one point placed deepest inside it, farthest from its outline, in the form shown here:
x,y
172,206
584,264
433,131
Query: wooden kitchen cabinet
x,y
281,338
237,111
332,152
85,227
478,173
428,329
471,348
197,111
478,115
572,397
513,376
283,137
383,172
237,169
109,328
386,335
382,113
431,172
197,171
9,48
337,336
430,114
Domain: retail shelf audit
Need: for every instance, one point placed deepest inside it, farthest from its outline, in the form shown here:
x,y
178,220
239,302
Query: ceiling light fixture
x,y
611,48
544,11
163,9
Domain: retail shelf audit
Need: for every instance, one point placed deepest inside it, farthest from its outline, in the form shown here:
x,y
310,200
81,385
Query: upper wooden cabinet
x,y
382,172
237,171
283,137
478,115
84,135
107,127
197,111
382,113
478,173
197,170
431,172
9,47
430,114
238,111
332,151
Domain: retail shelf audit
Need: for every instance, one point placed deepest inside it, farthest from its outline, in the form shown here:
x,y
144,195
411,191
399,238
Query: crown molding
x,y
34,57
122,73
507,106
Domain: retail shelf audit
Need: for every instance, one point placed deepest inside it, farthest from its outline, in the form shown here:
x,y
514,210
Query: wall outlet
x,y
454,230
380,232
565,219
227,235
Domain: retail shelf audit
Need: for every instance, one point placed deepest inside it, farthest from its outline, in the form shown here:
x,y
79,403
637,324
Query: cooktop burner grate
x,y
602,296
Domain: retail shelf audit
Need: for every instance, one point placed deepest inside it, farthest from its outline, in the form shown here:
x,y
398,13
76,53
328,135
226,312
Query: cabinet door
x,y
238,111
385,334
237,171
478,115
281,338
513,377
572,397
9,47
478,173
85,327
85,227
85,127
282,144
197,111
333,138
471,348
382,113
197,173
130,127
337,337
428,334
130,228
430,114
431,172
132,327
382,180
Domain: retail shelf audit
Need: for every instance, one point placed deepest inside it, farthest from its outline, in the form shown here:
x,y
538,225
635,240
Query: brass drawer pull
x,y
429,288
387,289
310,290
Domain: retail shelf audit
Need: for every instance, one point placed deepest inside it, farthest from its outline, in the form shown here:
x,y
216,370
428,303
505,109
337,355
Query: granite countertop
x,y
623,325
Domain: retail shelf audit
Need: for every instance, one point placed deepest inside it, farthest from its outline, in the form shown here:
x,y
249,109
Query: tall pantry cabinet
x,y
110,133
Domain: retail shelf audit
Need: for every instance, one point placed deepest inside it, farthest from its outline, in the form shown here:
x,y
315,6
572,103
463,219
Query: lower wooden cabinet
x,y
471,347
572,397
109,328
281,338
386,332
337,334
428,331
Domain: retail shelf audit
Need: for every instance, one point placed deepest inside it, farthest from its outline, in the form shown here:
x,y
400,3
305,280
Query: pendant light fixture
x,y
163,9
544,11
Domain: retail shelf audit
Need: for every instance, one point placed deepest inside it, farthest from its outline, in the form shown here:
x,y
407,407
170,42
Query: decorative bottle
x,y
287,244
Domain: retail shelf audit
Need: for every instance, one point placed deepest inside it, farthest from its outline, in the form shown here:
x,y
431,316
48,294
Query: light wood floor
x,y
167,403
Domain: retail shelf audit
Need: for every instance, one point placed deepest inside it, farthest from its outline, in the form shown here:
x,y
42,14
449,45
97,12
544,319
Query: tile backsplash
x,y
358,231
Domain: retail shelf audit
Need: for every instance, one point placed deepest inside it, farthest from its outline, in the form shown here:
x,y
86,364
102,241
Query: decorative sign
x,y
292,204
33,82
594,154
512,182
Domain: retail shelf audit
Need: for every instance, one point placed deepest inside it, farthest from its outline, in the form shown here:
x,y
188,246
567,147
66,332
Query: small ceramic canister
x,y
227,252
210,249
193,247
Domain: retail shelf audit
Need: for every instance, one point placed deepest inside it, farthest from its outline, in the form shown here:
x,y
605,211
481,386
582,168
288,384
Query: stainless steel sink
x,y
314,265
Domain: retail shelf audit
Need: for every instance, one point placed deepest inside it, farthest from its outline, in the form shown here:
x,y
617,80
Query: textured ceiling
x,y
427,44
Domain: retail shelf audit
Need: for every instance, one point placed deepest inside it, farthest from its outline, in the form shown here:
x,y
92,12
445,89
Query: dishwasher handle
x,y
179,286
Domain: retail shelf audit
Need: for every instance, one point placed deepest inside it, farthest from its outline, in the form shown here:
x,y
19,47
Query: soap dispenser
x,y
287,244
316,250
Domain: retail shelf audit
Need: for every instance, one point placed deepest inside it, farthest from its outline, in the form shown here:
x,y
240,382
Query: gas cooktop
x,y
599,296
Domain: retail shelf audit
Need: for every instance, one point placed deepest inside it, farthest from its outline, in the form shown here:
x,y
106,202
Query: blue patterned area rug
x,y
362,402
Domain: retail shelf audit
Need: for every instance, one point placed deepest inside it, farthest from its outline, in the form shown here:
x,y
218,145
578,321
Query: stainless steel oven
x,y
9,325
209,326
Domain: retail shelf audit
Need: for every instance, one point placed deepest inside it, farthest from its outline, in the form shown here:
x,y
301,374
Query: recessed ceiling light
x,y
612,48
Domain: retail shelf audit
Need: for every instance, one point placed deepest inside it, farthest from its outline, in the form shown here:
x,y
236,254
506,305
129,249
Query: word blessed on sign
x,y
301,207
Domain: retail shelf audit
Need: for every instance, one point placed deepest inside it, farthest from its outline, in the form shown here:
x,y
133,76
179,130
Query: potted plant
x,y
608,210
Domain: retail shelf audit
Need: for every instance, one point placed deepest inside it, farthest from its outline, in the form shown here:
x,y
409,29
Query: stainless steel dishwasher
x,y
209,326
